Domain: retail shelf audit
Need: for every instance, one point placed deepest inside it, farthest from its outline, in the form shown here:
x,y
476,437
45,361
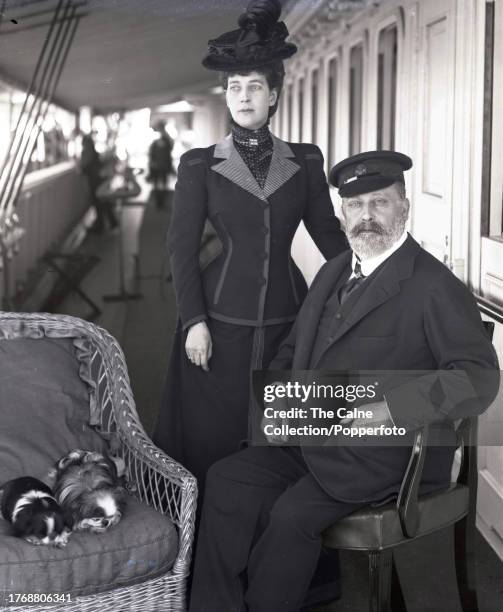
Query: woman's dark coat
x,y
254,280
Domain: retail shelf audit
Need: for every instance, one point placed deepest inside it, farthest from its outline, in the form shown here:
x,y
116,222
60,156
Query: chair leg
x,y
397,599
380,570
464,533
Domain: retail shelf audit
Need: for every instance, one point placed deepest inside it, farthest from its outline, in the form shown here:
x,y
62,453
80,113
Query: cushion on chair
x,y
378,528
44,406
143,545
48,405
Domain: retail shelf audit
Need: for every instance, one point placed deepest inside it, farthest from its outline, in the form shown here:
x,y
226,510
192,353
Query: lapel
x,y
313,309
399,267
282,167
233,167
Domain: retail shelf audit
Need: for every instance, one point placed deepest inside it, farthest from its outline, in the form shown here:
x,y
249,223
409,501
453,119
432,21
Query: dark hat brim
x,y
367,184
226,63
368,171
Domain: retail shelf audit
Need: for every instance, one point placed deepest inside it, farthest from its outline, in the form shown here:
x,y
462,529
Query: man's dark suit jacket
x,y
254,280
414,315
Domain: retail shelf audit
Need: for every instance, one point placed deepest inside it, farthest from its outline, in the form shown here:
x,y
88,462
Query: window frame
x,y
386,141
333,92
359,43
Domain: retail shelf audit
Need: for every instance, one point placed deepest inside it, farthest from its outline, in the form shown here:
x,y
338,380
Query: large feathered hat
x,y
259,41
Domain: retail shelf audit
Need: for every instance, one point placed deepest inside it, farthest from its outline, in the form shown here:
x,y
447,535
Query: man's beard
x,y
369,239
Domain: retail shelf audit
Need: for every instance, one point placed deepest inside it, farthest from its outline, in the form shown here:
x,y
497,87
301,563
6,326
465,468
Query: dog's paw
x,y
62,539
81,526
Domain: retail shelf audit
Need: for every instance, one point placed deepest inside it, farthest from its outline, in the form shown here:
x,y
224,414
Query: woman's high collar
x,y
250,138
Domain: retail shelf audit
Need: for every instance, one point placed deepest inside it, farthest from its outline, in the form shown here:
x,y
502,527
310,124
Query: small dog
x,y
29,505
88,486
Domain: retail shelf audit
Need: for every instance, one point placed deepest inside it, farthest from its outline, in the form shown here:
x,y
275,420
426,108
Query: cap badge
x,y
360,170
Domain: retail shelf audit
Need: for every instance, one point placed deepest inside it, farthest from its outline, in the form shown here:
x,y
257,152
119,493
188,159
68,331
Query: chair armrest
x,y
407,502
153,476
154,462
164,484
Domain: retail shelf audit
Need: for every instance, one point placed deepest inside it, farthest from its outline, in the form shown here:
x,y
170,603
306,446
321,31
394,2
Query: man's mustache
x,y
367,226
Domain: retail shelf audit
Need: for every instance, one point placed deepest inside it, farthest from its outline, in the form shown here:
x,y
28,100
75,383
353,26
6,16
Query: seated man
x,y
388,305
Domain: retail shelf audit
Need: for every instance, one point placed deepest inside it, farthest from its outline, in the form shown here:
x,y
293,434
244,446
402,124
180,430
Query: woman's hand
x,y
198,345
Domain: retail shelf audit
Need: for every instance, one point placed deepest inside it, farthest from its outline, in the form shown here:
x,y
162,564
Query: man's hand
x,y
380,416
198,345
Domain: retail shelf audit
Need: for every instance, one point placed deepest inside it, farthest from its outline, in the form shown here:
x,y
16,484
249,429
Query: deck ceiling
x,y
126,53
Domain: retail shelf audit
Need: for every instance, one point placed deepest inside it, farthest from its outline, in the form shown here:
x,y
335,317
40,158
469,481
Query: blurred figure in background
x,y
160,163
119,180
93,168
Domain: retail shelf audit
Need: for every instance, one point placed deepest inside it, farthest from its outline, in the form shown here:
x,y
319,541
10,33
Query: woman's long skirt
x,y
204,416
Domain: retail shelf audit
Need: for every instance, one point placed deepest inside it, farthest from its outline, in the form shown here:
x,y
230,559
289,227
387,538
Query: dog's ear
x,y
114,443
23,524
68,519
120,497
120,465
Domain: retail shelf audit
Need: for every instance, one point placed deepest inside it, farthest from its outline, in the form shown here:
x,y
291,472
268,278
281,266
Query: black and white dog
x,y
30,506
88,486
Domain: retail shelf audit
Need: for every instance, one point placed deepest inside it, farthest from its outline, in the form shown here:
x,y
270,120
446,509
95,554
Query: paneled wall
x,y
405,75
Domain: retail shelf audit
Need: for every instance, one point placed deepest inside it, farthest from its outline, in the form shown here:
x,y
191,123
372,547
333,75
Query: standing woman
x,y
255,189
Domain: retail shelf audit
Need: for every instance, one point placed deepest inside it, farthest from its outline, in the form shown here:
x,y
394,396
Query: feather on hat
x,y
259,41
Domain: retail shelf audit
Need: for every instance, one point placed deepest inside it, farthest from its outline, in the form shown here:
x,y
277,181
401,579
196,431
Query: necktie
x,y
353,283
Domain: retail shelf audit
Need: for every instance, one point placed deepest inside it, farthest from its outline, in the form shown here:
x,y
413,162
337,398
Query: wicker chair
x,y
152,476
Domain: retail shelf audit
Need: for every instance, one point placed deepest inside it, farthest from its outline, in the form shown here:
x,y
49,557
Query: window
x,y
56,140
386,88
492,178
491,260
314,106
300,108
355,99
332,110
54,144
